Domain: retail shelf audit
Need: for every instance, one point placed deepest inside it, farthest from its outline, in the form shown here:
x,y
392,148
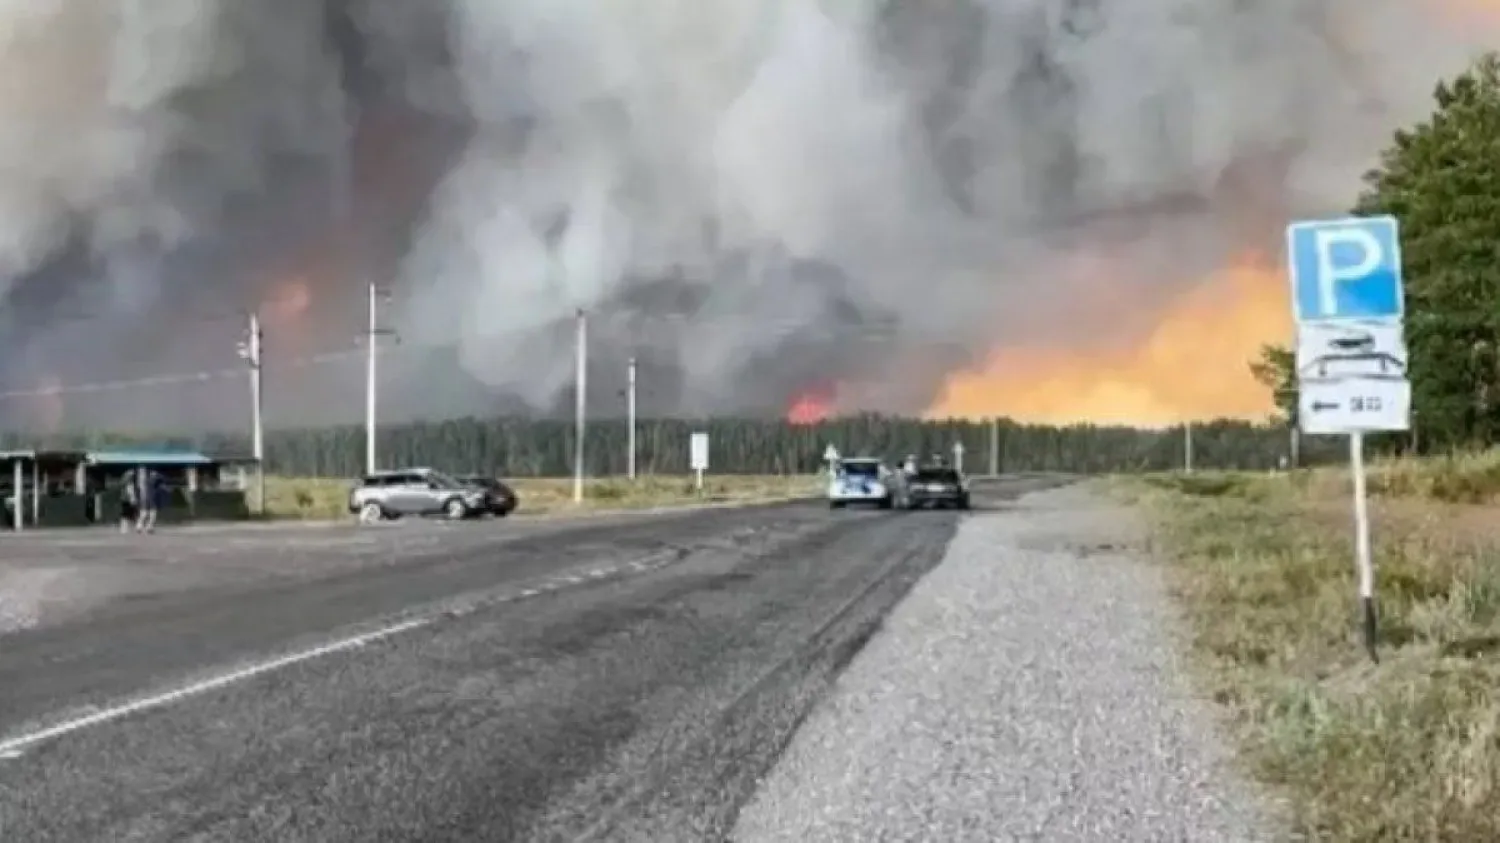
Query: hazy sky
x,y
753,196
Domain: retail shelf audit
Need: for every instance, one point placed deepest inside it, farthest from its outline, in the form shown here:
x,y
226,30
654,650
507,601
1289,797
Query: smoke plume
x,y
750,196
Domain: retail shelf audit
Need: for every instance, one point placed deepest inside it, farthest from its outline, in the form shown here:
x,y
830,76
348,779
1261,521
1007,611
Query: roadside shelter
x,y
76,488
42,487
195,487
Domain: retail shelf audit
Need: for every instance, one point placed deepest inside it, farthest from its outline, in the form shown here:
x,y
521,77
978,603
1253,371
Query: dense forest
x,y
522,448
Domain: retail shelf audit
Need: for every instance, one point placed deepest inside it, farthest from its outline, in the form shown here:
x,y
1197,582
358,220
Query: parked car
x,y
415,491
937,487
861,480
502,498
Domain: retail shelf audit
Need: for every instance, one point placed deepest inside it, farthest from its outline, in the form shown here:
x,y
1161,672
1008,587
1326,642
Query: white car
x,y
862,480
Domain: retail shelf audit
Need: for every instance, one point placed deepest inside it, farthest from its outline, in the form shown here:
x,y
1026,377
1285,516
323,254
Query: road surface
x,y
623,678
1028,689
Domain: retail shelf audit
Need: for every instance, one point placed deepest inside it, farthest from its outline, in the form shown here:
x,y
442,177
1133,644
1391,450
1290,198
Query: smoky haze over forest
x,y
755,197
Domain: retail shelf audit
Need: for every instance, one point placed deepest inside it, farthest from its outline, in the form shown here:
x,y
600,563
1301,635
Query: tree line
x,y
538,448
1438,178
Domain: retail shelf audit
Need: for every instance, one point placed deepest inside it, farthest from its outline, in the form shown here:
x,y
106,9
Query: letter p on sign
x,y
1345,270
1347,242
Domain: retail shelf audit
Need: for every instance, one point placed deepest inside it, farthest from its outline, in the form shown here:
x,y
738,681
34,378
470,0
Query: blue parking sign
x,y
1345,269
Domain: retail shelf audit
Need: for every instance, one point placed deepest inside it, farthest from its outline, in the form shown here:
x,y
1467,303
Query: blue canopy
x,y
145,457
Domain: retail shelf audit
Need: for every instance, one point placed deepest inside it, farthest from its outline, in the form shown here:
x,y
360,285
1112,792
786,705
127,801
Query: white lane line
x,y
14,747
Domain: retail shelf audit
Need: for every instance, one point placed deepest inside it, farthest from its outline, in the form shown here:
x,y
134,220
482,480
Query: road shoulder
x,y
1027,688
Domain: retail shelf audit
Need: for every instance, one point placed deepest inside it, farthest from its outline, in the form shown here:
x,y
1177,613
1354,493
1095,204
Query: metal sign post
x,y
1348,300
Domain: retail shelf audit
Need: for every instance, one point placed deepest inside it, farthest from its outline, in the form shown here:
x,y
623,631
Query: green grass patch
x,y
317,498
1405,750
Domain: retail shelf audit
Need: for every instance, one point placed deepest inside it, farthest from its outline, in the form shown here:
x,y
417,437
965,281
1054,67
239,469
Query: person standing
x,y
130,509
149,493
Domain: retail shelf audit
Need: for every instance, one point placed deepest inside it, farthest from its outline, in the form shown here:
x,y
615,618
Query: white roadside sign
x,y
1349,304
698,452
1364,349
1355,405
698,456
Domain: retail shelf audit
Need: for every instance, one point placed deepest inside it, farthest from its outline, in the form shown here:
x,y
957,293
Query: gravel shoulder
x,y
1028,688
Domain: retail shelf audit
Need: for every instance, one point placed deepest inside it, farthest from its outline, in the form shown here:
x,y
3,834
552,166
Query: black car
x,y
937,487
500,497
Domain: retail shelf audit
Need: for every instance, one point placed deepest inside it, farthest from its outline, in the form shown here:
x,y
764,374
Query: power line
x,y
305,361
188,377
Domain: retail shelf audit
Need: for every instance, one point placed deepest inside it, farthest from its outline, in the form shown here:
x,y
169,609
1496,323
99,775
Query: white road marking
x,y
17,746
14,747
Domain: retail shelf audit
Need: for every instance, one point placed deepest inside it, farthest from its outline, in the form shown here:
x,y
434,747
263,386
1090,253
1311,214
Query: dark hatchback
x,y
501,498
937,488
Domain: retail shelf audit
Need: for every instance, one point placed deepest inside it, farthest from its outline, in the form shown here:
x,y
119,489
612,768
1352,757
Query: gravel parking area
x,y
1027,689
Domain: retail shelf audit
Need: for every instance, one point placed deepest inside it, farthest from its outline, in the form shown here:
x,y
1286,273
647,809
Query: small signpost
x,y
1348,300
958,456
698,457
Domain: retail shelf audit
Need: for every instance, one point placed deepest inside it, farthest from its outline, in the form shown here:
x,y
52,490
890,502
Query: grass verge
x,y
307,498
1263,566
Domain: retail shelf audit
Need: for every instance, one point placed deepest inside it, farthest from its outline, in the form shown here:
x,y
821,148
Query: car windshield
x,y
937,475
861,469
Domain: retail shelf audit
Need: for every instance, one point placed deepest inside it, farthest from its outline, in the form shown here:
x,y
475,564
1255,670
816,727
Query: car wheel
x,y
963,503
886,502
835,504
371,513
455,510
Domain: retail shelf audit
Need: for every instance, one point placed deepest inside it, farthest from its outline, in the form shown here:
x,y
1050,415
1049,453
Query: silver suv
x,y
415,491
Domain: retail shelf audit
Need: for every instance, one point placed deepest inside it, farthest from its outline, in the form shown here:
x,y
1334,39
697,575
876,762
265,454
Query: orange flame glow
x,y
810,407
289,301
1193,365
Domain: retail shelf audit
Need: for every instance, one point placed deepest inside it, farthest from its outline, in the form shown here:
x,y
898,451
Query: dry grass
x,y
1405,750
326,499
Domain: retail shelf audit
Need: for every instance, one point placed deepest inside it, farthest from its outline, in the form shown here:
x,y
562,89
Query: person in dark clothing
x,y
144,490
130,509
150,495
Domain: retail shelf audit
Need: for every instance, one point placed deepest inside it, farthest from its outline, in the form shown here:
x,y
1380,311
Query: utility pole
x,y
373,333
250,352
1187,447
580,406
371,381
630,419
995,447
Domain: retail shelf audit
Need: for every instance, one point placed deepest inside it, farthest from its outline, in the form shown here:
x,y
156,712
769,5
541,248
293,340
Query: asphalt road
x,y
627,678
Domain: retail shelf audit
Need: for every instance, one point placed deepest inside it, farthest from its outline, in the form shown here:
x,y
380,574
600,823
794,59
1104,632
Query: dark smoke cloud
x,y
752,197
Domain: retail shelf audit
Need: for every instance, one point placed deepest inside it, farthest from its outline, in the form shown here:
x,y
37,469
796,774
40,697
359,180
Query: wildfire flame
x,y
1193,365
811,406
